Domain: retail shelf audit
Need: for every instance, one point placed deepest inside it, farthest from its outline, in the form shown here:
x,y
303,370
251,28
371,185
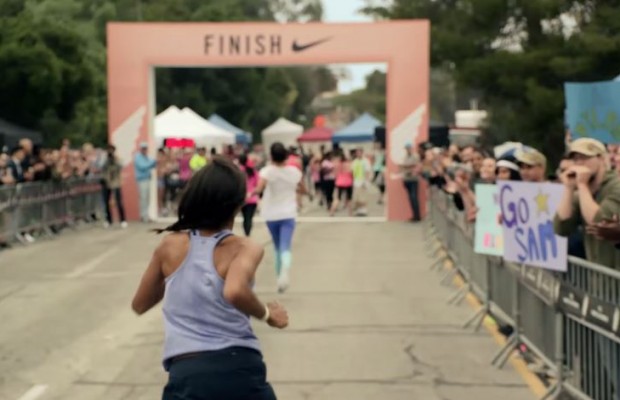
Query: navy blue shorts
x,y
235,373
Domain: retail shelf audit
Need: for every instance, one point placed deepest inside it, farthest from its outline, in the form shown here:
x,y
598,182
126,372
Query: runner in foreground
x,y
205,276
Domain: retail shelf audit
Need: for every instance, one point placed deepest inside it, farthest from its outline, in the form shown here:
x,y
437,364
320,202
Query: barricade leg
x,y
477,319
480,315
504,353
21,238
457,297
431,236
47,230
556,389
434,248
513,343
439,262
447,278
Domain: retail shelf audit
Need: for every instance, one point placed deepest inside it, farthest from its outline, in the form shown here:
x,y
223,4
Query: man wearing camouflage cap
x,y
591,195
532,165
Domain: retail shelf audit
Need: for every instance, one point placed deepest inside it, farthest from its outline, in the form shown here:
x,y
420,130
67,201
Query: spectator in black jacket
x,y
15,166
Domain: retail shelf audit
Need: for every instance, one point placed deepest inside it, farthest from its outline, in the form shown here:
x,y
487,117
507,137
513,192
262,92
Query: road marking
x,y
89,266
34,393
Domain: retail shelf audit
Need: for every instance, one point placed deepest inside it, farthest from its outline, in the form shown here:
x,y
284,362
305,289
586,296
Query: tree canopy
x,y
370,99
52,58
516,55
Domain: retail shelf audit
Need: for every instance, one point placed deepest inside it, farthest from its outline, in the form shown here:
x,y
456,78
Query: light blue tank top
x,y
196,315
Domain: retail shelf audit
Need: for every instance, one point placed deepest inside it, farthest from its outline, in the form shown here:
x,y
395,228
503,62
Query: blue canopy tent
x,y
241,137
361,129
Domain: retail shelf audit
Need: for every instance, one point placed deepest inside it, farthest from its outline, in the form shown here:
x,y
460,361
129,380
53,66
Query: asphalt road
x,y
368,320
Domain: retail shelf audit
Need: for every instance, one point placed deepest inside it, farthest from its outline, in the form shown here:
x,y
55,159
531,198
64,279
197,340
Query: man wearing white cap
x,y
143,166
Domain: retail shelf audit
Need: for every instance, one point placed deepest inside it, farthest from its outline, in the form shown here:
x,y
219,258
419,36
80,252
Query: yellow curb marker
x,y
532,381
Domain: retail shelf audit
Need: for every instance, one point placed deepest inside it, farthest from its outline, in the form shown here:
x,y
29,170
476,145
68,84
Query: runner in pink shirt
x,y
185,172
329,179
249,208
293,159
344,184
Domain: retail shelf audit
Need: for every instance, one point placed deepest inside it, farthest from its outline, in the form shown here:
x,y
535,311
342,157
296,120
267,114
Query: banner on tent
x,y
593,110
527,220
489,234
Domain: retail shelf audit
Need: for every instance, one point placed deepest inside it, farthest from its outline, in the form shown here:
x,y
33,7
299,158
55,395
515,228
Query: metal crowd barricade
x,y
28,207
84,198
536,305
569,321
55,208
589,297
6,215
39,207
501,290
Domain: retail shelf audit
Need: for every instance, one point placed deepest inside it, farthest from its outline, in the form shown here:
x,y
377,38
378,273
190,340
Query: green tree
x,y
52,58
46,70
370,99
517,55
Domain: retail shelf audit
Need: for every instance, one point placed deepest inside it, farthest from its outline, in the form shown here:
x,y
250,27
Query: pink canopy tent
x,y
316,134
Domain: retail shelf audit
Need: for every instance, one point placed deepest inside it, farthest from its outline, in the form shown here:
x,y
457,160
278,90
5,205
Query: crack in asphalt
x,y
423,368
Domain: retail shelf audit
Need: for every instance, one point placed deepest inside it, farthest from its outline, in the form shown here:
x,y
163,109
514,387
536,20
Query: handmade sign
x,y
527,220
593,110
489,236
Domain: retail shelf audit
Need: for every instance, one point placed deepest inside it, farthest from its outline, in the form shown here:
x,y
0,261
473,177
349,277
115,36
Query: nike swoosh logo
x,y
301,47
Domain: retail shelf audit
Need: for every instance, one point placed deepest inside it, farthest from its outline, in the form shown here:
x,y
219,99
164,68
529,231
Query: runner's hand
x,y
278,317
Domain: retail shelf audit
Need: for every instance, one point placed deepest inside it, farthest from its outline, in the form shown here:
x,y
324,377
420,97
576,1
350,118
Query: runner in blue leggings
x,y
279,185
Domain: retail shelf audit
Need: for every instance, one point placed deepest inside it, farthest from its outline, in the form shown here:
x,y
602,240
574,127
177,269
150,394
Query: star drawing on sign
x,y
542,202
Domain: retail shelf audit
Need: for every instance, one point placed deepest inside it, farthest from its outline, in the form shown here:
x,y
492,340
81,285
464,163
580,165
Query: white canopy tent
x,y
168,123
213,134
283,131
186,124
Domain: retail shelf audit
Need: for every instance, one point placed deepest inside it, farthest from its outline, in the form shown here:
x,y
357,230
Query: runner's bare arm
x,y
260,187
152,286
239,278
301,187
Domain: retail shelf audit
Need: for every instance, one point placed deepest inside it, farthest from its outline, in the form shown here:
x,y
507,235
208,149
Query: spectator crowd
x,y
336,179
589,209
29,163
339,180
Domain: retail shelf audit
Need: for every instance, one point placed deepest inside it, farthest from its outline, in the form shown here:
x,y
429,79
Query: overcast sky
x,y
346,11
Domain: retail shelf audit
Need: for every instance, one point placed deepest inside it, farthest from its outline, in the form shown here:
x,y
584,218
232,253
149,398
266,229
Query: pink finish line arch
x,y
135,49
